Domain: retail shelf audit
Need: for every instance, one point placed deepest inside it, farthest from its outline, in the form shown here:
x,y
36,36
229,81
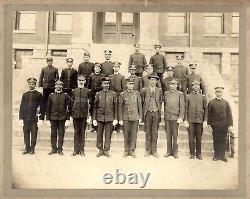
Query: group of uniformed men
x,y
100,95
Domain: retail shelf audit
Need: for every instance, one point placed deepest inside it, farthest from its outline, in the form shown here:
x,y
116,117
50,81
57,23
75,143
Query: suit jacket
x,y
139,60
196,108
137,83
145,82
174,105
117,83
69,78
159,63
166,83
86,68
95,83
130,106
107,68
80,107
58,106
145,97
219,113
105,106
181,72
31,102
190,79
49,75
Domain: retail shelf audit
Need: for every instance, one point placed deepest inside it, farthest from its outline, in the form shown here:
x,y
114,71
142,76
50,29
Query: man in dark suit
x,y
69,77
107,66
145,80
86,67
221,120
138,59
79,113
58,111
196,119
137,80
49,75
31,107
174,112
170,76
193,76
152,101
159,62
105,116
130,115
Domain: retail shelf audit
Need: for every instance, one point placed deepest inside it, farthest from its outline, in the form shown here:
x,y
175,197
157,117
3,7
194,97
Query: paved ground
x,y
67,172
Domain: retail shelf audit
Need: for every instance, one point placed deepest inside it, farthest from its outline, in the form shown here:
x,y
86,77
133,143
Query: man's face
x,y
130,86
97,69
157,50
132,71
219,93
86,58
170,73
173,87
69,63
196,87
105,85
192,70
137,48
49,62
150,70
153,82
32,85
116,68
107,56
58,87
80,83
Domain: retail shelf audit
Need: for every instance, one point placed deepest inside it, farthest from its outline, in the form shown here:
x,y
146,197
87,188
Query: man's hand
x,y
39,123
230,129
180,120
121,122
140,121
89,120
95,123
186,124
20,122
115,122
205,124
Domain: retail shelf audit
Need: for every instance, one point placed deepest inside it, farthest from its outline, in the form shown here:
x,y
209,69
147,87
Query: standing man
x,y
69,77
221,120
58,111
130,115
196,116
145,80
193,76
31,107
137,80
174,111
49,75
159,62
138,59
105,116
168,79
79,113
86,67
152,101
107,66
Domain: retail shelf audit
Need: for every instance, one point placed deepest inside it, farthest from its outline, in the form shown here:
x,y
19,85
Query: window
x,y
62,21
214,23
19,55
59,52
235,23
177,23
25,20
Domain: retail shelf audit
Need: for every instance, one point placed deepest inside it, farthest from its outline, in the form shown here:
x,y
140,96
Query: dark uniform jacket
x,y
80,107
190,79
95,82
174,105
69,78
130,106
196,108
139,60
181,73
49,75
107,68
219,113
117,83
159,63
145,82
105,106
31,100
137,83
86,68
166,83
58,106
145,97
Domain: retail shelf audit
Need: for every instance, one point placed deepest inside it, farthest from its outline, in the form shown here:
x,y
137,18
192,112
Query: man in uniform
x,y
31,106
107,66
138,59
166,82
145,80
137,80
174,112
79,113
221,120
130,115
159,62
193,76
58,111
105,116
69,77
196,116
86,67
152,101
49,75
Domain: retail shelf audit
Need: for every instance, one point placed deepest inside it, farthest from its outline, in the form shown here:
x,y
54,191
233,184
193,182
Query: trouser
x,y
30,134
130,129
171,128
184,89
230,142
68,91
152,120
46,93
219,138
92,100
57,129
195,131
105,128
79,134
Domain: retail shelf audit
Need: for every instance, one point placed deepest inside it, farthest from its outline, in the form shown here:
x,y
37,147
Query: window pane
x,y
110,17
235,24
27,21
127,17
176,24
63,22
59,53
214,24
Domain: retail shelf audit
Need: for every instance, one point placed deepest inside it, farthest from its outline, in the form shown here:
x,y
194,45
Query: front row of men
x,y
128,108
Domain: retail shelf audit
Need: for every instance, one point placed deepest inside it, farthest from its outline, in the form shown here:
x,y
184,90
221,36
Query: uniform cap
x,y
31,80
86,54
69,59
81,77
130,80
153,75
98,64
219,88
195,82
105,79
58,82
132,67
157,46
170,68
108,52
192,66
180,57
49,59
173,81
136,45
149,66
117,64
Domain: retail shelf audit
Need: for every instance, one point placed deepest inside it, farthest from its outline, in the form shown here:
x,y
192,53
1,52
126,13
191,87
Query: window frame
x,y
234,34
222,15
53,23
17,22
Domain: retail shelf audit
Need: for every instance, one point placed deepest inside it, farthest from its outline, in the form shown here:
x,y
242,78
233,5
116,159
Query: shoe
x,y
74,154
167,155
147,154
107,154
224,159
192,157
26,151
231,156
32,151
125,154
176,156
215,159
60,153
199,157
100,153
82,153
52,152
156,154
133,154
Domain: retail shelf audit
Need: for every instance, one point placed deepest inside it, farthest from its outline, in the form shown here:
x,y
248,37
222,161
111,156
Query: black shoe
x,y
82,153
231,155
133,154
52,152
156,154
192,157
125,154
60,153
100,153
176,156
224,159
32,151
199,157
74,153
26,151
107,154
215,159
147,154
167,155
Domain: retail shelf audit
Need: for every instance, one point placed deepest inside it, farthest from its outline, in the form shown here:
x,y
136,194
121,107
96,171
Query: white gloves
x,y
186,124
89,120
115,122
140,121
39,123
180,120
48,123
205,124
20,122
94,122
67,123
121,122
230,129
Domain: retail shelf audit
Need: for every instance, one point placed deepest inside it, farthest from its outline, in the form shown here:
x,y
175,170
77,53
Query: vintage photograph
x,y
125,100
